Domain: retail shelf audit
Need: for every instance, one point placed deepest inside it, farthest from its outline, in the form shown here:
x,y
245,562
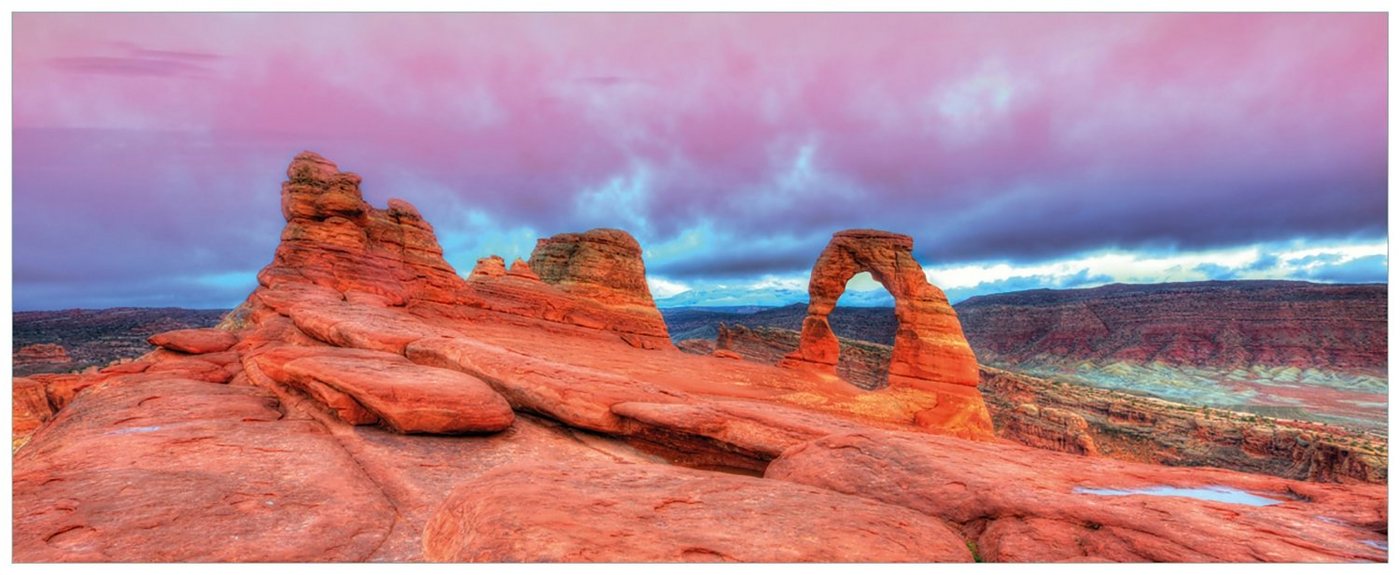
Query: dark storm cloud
x,y
1016,138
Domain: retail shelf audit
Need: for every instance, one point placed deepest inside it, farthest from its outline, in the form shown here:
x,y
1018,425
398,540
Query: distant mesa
x,y
41,353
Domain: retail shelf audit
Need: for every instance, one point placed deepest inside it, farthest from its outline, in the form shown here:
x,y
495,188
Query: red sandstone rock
x,y
1207,324
600,265
360,326
490,266
1264,346
62,388
179,470
194,341
334,240
417,472
604,265
532,299
41,353
726,354
563,512
410,398
929,350
31,409
349,276
519,268
579,397
1082,419
737,434
862,363
266,368
1020,503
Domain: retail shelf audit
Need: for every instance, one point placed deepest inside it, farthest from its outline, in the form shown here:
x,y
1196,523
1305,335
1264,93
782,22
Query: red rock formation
x,y
194,341
863,364
1024,504
489,267
189,471
264,451
1289,349
1213,324
929,350
31,410
409,398
1085,420
519,268
334,240
604,266
41,353
1082,419
553,512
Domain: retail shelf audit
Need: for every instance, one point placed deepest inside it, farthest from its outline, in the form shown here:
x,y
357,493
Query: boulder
x,y
194,341
410,398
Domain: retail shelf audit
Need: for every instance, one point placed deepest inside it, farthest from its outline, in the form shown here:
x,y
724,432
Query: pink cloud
x,y
924,123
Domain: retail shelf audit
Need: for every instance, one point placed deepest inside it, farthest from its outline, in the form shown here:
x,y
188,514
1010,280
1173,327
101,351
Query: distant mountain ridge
x,y
1217,323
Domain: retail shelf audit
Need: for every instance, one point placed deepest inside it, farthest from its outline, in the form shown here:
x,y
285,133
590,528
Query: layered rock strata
x,y
1085,420
330,432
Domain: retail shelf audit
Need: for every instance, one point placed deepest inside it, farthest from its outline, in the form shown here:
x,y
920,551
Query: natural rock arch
x,y
930,352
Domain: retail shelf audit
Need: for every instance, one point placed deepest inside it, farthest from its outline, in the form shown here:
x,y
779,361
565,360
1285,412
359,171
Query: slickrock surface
x,y
929,350
410,398
195,341
560,512
321,434
169,469
1024,504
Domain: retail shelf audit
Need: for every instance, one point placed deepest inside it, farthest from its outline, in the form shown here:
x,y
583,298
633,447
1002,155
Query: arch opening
x,y
864,323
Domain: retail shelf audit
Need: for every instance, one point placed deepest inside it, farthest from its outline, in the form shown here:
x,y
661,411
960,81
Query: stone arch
x,y
930,352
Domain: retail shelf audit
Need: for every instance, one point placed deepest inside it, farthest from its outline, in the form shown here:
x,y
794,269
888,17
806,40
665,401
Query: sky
x,y
1020,151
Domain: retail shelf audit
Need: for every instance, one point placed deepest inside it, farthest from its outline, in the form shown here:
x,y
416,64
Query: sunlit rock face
x,y
366,403
929,353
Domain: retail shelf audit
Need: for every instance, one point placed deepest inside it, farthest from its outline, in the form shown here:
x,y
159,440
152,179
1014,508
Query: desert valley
x,y
368,402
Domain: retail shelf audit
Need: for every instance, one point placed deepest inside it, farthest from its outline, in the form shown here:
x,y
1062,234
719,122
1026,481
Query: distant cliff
x,y
1234,324
1293,349
1090,421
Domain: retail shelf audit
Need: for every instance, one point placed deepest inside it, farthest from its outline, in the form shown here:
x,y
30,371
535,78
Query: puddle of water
x,y
1207,493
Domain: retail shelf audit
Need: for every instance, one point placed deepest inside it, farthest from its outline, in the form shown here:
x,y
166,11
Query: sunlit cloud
x,y
1041,150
